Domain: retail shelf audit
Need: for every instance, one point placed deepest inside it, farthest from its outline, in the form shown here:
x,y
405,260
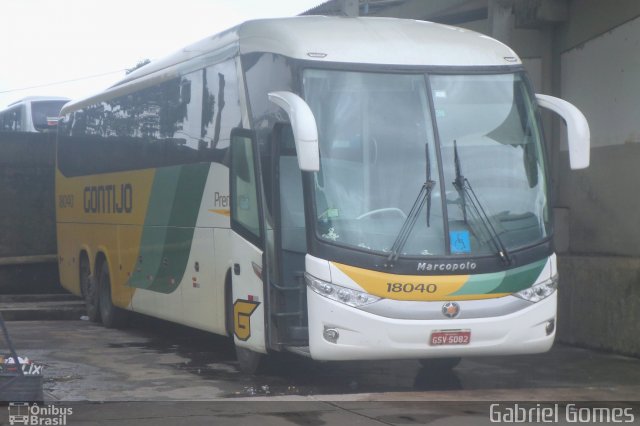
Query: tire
x,y
249,362
112,316
440,364
89,288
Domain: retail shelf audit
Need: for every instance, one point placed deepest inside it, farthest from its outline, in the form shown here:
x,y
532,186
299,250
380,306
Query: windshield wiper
x,y
424,196
466,193
429,183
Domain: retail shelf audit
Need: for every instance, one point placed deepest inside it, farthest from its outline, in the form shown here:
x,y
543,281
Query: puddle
x,y
212,357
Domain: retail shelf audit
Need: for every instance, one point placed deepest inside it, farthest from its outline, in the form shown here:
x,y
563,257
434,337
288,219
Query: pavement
x,y
339,413
33,307
158,373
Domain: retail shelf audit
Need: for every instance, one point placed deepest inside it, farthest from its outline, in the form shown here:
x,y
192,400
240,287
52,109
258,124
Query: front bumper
x,y
365,336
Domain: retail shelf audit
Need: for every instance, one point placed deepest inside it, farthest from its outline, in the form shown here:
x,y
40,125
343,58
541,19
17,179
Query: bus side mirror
x,y
578,134
305,131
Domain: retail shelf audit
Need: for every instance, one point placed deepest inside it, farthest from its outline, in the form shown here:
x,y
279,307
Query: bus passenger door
x,y
247,244
287,287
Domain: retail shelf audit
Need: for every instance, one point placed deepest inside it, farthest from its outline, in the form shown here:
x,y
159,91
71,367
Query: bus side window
x,y
245,216
188,114
220,105
185,91
13,120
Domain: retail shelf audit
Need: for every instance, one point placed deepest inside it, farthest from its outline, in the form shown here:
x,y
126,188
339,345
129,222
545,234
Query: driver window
x,y
291,195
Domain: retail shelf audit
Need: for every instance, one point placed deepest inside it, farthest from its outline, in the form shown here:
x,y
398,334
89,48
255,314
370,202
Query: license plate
x,y
453,337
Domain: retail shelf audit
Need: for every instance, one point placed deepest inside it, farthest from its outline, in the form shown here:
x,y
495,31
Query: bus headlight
x,y
539,291
338,293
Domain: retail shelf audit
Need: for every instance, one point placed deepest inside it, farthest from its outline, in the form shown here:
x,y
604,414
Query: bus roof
x,y
38,99
353,40
385,41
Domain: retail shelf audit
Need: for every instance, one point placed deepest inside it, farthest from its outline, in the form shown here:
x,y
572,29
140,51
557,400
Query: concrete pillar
x,y
501,20
349,7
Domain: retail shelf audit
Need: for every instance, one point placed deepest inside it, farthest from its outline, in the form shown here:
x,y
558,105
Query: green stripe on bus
x,y
169,226
154,232
480,284
520,278
510,281
163,192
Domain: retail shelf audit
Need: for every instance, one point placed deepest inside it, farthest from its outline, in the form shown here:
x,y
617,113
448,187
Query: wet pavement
x,y
155,360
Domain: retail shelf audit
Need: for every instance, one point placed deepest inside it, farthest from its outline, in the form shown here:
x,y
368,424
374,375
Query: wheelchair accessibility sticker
x,y
460,241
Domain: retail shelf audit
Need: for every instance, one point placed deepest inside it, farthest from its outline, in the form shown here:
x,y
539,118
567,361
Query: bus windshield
x,y
379,145
45,113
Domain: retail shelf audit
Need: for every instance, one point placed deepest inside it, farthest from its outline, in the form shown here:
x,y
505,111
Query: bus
x,y
32,114
339,188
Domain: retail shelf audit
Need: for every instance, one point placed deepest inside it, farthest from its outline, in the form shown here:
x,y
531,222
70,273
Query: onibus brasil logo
x,y
24,413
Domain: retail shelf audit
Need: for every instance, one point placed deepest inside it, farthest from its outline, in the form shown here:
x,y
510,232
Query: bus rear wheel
x,y
89,288
112,316
440,364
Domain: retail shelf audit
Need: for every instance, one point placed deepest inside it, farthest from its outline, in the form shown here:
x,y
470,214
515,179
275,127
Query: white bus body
x,y
343,188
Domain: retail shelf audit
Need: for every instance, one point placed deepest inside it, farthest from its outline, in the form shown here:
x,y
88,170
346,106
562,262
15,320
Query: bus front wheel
x,y
112,316
439,364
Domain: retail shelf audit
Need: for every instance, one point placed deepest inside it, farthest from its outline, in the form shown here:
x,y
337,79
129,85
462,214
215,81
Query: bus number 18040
x,y
410,288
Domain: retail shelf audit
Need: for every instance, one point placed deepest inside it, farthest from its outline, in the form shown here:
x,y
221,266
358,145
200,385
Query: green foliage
x,y
140,64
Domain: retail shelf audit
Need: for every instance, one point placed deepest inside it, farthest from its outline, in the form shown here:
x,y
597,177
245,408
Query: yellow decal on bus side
x,y
109,198
105,213
242,310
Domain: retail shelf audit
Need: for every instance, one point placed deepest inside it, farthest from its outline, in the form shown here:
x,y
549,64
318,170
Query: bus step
x,y
298,332
299,350
287,314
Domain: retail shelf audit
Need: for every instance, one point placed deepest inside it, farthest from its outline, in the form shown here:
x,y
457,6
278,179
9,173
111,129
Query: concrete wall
x,y
599,302
597,51
27,214
600,264
588,52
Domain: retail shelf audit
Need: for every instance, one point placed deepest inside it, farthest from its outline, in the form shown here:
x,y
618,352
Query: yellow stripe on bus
x,y
96,213
411,287
221,211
